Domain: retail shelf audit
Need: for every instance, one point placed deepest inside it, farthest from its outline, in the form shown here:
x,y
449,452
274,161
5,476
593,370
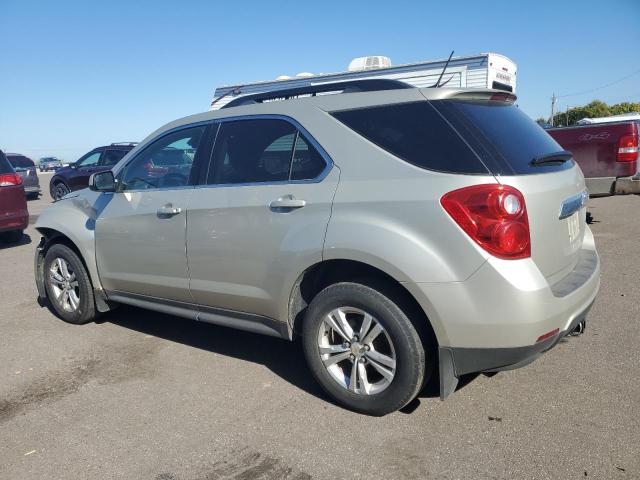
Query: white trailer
x,y
486,70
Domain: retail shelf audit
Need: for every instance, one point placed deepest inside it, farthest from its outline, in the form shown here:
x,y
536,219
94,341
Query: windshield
x,y
502,135
19,161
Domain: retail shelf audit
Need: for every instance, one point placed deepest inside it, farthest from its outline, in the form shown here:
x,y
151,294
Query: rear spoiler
x,y
485,96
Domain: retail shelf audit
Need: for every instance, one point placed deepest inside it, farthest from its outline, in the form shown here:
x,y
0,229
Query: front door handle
x,y
286,203
168,210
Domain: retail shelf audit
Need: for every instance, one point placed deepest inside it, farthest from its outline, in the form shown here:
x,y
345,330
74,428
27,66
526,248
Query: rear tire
x,y
363,349
68,286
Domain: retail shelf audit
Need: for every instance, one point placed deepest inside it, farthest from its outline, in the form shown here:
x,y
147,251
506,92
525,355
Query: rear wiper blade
x,y
556,157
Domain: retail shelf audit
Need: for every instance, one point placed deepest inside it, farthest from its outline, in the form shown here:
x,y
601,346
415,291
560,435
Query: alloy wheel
x,y
356,351
64,285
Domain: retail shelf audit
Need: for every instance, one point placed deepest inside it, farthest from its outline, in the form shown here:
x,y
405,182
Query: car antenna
x,y
444,69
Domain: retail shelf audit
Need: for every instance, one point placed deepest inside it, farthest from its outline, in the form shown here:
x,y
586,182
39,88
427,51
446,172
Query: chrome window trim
x,y
267,116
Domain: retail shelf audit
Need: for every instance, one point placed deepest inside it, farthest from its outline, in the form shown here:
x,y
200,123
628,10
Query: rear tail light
x,y
10,179
494,216
628,148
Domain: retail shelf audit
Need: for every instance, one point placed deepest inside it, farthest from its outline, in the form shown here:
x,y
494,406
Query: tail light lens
x,y
10,179
494,216
628,148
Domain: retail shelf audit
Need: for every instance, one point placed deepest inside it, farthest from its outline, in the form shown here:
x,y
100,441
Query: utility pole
x,y
567,115
553,107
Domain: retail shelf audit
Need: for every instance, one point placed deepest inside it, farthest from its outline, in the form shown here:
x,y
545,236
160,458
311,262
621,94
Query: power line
x,y
600,87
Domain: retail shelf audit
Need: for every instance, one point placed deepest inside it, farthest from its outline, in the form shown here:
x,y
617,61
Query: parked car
x,y
76,175
396,230
26,168
607,154
14,216
49,163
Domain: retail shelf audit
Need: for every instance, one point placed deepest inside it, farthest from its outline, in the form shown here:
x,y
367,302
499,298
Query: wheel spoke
x,y
330,349
353,379
373,334
366,325
385,372
73,299
338,321
56,277
64,269
381,359
362,377
335,359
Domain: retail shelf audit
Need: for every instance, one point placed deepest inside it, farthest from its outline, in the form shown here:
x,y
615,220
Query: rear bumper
x,y
28,189
14,221
600,186
492,320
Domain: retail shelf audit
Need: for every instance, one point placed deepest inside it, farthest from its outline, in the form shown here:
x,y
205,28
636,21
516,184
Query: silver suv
x,y
406,235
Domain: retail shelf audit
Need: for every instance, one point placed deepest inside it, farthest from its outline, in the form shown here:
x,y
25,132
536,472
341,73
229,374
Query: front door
x,y
140,233
261,218
84,168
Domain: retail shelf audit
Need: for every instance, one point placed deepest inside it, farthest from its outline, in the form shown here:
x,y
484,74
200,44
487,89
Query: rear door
x,y
260,217
140,231
508,141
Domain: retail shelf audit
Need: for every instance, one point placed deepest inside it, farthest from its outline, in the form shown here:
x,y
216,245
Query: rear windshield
x,y
416,133
457,136
20,162
503,136
5,166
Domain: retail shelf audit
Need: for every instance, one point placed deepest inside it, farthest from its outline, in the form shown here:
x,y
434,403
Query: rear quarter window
x,y
416,133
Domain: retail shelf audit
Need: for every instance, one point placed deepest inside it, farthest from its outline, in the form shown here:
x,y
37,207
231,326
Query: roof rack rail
x,y
133,144
370,85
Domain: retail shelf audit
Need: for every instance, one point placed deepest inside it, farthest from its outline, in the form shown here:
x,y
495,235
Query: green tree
x,y
594,109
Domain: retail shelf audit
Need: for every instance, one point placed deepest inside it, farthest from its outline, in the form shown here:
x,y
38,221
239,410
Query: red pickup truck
x,y
607,154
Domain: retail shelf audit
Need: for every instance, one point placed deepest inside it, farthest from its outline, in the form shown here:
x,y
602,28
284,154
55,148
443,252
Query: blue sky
x,y
78,74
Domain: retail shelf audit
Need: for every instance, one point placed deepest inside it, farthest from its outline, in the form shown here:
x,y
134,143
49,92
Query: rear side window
x,y
262,151
416,133
5,166
111,157
504,137
18,161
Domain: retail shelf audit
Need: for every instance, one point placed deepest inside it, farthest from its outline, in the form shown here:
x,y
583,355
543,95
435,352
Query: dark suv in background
x,y
76,176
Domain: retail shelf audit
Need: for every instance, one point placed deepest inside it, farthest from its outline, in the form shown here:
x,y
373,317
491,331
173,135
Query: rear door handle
x,y
286,203
168,210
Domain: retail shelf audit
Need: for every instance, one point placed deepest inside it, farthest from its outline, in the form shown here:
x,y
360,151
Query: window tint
x,y
5,166
416,133
504,136
307,162
250,151
19,161
111,157
90,160
165,163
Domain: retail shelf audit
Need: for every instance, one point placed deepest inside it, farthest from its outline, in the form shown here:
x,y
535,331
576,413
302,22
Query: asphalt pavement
x,y
141,395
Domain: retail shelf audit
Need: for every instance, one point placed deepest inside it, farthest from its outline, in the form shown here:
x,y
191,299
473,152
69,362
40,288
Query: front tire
x,y
59,190
68,285
363,349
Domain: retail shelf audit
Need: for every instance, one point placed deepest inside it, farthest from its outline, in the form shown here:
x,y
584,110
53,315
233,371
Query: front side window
x,y
90,160
165,163
262,151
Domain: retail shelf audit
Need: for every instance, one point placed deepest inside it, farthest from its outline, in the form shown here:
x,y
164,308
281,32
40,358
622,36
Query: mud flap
x,y
448,379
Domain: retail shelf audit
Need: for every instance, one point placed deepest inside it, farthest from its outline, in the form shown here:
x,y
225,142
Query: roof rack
x,y
370,85
132,144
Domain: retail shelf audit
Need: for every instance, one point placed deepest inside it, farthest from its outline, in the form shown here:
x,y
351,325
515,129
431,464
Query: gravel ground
x,y
141,395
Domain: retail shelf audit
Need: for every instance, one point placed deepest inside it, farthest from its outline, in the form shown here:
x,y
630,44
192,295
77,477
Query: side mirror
x,y
102,182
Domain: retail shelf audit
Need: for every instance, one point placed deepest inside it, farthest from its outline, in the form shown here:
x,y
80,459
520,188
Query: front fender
x,y
75,218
